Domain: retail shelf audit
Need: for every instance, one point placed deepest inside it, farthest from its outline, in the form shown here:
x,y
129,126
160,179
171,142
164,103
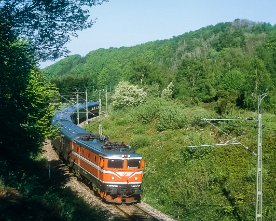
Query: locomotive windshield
x,y
113,163
133,163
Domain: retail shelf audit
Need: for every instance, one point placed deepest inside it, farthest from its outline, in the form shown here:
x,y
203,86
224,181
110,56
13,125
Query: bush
x,y
140,141
197,114
170,118
150,110
127,94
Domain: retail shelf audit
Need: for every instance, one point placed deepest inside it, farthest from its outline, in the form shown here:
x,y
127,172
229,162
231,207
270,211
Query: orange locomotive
x,y
114,170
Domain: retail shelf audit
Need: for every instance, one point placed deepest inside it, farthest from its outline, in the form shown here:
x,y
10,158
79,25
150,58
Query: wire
x,y
234,140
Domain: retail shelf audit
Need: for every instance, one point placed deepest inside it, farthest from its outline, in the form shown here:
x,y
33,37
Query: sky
x,y
131,22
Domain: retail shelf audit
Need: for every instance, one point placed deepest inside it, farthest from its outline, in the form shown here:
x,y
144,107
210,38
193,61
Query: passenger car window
x,y
113,163
133,163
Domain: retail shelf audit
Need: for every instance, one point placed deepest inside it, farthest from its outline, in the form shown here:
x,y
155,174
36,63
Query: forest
x,y
158,94
228,63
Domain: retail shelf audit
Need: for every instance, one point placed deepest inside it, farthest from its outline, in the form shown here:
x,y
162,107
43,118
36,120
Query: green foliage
x,y
139,141
226,101
162,113
233,80
25,98
216,70
231,37
29,31
235,56
36,197
67,85
149,111
197,183
170,117
47,25
39,94
63,66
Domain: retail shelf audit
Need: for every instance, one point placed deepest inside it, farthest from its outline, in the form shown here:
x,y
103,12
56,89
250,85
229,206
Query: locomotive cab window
x,y
133,163
113,163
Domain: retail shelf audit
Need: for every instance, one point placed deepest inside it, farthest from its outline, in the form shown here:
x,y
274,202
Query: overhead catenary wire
x,y
233,139
259,182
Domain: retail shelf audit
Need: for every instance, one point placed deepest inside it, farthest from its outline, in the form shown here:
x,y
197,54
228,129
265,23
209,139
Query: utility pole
x,y
100,129
106,100
86,105
259,180
100,107
78,114
77,100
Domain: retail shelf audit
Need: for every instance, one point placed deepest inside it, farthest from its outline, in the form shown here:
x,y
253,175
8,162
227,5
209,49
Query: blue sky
x,y
131,22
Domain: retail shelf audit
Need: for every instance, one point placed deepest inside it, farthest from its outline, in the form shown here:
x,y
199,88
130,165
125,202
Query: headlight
x,y
112,185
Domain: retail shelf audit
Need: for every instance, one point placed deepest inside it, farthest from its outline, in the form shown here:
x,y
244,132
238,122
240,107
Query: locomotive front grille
x,y
123,190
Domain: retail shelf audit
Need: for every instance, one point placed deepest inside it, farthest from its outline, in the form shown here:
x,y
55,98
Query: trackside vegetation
x,y
214,72
32,31
197,183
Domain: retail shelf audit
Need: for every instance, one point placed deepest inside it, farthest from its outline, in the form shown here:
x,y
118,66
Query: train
x,y
113,170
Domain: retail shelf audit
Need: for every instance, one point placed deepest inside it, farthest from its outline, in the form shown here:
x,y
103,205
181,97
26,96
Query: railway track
x,y
140,211
134,212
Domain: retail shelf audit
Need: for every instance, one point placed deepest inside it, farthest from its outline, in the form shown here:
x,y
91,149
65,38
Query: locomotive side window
x,y
112,163
133,163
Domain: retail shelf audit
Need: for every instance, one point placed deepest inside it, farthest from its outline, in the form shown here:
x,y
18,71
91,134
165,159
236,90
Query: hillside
x,y
214,72
233,60
193,182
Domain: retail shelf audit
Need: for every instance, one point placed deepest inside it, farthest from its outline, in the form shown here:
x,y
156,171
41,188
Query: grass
x,y
203,183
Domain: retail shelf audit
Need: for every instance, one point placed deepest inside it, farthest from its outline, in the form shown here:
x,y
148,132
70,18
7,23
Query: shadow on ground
x,y
28,193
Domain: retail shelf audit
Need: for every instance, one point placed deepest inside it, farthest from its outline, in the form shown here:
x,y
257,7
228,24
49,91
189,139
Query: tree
x,y
128,95
13,59
38,97
32,30
47,25
141,70
24,96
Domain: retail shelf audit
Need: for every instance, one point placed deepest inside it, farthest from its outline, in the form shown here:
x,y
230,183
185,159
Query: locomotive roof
x,y
63,120
109,150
